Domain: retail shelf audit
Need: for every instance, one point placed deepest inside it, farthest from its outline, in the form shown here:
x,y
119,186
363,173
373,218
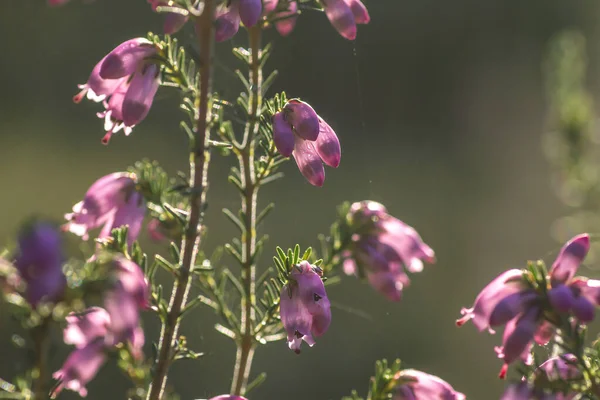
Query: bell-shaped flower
x,y
96,88
299,131
383,249
304,308
345,14
517,340
229,16
84,328
417,385
283,20
523,391
126,81
570,293
174,21
250,11
569,259
112,201
227,21
123,302
563,367
126,58
39,262
503,287
303,118
80,368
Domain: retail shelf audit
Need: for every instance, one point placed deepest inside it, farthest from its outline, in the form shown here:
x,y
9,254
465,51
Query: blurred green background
x,y
440,107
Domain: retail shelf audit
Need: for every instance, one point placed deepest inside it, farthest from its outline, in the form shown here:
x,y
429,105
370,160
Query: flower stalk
x,y
199,160
41,340
245,152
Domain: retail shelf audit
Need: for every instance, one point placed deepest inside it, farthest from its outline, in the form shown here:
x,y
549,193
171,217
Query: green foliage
x,y
383,383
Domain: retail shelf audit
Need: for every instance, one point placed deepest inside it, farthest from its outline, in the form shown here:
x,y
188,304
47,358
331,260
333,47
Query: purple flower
x,y
126,82
384,248
80,368
417,385
299,131
39,261
112,201
345,14
84,328
305,308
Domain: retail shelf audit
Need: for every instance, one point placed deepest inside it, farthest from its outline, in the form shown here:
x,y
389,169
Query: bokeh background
x,y
440,107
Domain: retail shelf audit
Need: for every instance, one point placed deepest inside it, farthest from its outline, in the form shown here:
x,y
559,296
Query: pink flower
x,y
345,14
112,201
80,368
305,308
84,328
126,82
383,249
299,131
417,385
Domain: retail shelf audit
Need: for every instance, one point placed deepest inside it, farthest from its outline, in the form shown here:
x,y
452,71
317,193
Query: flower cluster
x,y
382,247
112,201
126,81
99,330
304,308
299,131
532,305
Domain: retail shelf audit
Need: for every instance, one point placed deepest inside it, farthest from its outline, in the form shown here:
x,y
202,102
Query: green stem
x,y
41,341
247,343
199,160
